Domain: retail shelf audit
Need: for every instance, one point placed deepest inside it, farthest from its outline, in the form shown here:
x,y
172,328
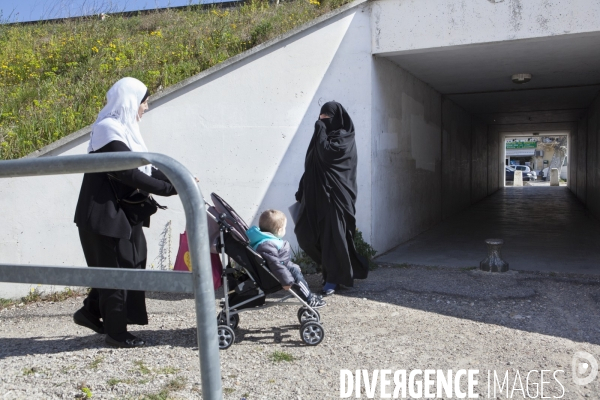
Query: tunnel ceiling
x,y
565,70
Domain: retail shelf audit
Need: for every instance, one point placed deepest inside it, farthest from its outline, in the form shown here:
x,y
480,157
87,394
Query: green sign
x,y
521,145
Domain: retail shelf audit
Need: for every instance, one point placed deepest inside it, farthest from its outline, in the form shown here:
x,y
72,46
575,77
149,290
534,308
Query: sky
x,y
33,10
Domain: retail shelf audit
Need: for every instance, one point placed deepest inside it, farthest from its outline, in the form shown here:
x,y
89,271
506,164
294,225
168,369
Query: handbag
x,y
138,206
183,261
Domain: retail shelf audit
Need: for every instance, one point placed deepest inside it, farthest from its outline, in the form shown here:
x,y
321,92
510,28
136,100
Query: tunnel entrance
x,y
535,155
549,120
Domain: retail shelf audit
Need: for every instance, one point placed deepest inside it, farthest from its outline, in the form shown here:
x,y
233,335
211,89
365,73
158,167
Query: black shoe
x,y
83,319
327,292
317,302
129,343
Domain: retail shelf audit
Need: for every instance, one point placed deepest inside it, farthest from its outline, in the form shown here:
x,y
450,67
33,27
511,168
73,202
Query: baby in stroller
x,y
266,241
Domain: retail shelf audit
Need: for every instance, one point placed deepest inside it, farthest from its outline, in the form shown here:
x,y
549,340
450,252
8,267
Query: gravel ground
x,y
401,318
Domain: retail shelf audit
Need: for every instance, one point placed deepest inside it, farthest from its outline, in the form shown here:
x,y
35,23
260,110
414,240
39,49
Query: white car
x,y
525,169
564,173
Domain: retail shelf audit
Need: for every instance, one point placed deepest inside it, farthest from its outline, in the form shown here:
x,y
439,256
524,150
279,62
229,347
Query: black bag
x,y
138,206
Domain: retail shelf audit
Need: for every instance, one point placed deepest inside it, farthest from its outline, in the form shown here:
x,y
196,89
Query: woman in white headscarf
x,y
108,238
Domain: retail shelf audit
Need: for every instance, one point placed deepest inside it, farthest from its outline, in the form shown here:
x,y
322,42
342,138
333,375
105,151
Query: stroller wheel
x,y
312,333
234,319
305,314
225,336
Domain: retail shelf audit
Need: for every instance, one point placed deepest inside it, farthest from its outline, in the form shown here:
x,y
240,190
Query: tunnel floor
x,y
544,229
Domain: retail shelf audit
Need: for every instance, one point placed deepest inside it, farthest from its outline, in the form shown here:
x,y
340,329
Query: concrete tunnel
x,y
468,55
428,85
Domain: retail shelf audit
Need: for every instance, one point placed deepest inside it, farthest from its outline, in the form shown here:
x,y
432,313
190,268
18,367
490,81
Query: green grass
x,y
53,77
171,386
94,364
5,303
116,381
176,384
162,395
278,356
142,367
167,370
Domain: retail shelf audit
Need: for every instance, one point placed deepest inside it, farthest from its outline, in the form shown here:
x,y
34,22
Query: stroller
x,y
247,280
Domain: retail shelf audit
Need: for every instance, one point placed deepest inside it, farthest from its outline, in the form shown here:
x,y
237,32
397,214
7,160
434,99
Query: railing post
x,y
196,225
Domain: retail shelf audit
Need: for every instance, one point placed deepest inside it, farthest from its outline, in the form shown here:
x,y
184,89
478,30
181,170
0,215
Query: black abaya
x,y
116,307
108,240
328,191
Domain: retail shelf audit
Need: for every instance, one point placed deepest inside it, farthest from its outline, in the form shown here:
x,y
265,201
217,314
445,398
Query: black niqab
x,y
328,191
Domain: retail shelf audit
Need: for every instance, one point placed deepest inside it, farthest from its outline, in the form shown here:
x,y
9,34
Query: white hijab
x,y
118,120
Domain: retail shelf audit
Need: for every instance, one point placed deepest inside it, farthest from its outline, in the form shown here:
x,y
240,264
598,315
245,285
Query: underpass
x,y
544,229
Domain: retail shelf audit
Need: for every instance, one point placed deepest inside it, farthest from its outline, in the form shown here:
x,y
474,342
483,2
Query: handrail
x,y
199,281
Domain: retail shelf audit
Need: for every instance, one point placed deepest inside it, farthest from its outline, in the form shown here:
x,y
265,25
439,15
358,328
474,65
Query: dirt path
x,y
401,318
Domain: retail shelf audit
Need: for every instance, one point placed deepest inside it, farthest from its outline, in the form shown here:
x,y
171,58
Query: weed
x,y
279,356
228,390
33,296
5,303
115,381
67,368
168,370
175,384
142,367
29,371
364,249
162,395
306,264
94,364
67,293
87,391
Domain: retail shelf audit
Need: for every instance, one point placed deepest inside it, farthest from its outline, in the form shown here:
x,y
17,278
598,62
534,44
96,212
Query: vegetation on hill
x,y
54,76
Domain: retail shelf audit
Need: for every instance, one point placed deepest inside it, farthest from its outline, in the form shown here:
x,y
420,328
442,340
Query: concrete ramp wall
x,y
242,128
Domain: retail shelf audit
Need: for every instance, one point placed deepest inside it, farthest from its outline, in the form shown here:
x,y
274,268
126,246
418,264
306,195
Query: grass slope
x,y
53,77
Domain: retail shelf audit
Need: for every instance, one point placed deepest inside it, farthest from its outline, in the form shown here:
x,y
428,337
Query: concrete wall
x,y
592,120
429,156
479,160
580,159
406,165
413,25
495,159
456,159
242,129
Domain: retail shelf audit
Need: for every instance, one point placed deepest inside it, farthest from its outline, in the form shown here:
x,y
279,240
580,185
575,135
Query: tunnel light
x,y
521,78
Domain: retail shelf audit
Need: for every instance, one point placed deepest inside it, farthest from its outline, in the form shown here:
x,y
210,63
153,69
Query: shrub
x,y
306,264
364,249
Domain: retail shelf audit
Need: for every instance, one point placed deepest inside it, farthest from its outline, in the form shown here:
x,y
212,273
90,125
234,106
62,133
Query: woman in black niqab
x,y
327,191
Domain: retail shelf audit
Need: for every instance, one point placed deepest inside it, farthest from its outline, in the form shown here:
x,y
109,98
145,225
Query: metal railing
x,y
199,282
